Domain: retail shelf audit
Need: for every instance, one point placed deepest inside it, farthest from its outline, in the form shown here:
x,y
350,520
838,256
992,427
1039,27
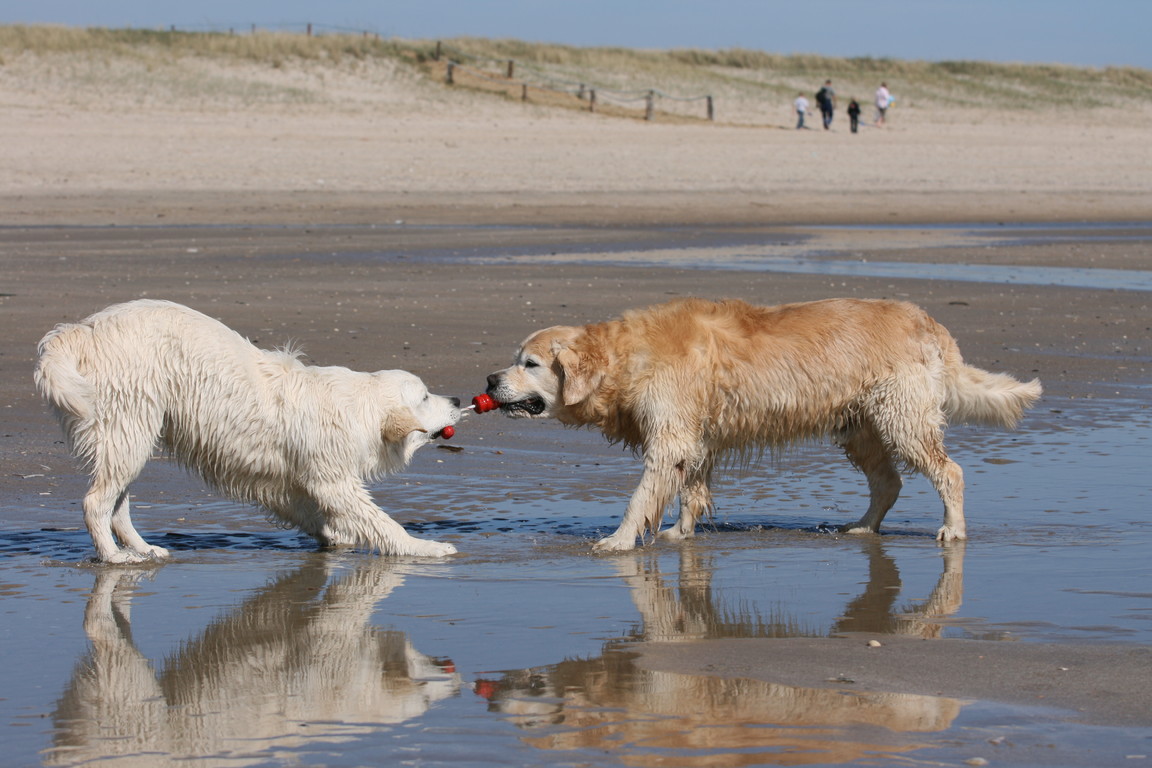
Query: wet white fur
x,y
259,425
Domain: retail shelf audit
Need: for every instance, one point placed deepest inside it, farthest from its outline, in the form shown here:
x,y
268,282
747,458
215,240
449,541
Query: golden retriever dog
x,y
687,382
258,425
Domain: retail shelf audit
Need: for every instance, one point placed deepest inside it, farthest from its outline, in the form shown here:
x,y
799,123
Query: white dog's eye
x,y
531,364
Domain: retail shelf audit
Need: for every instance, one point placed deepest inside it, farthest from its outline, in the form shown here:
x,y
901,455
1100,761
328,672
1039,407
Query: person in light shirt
x,y
801,107
883,99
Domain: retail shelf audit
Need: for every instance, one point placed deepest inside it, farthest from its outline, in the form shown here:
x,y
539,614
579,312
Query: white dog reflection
x,y
298,662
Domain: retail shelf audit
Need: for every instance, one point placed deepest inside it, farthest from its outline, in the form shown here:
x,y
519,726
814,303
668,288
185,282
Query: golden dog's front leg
x,y
695,504
660,484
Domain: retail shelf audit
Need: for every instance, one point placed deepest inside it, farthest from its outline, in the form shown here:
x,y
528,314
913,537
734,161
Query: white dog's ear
x,y
581,376
399,424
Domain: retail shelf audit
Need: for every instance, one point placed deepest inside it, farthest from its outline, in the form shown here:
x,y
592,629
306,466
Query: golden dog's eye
x,y
531,364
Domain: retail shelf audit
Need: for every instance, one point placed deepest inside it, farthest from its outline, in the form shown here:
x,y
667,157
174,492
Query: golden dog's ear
x,y
399,424
581,376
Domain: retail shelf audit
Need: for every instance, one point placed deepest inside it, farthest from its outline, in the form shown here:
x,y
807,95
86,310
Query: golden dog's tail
x,y
57,376
976,396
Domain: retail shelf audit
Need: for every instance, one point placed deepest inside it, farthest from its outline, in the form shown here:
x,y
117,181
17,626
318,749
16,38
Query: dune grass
x,y
1001,86
155,60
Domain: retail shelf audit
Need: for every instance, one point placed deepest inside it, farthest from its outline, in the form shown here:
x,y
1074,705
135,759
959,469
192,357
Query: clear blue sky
x,y
1079,32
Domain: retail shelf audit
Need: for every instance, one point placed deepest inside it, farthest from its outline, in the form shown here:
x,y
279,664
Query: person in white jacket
x,y
883,99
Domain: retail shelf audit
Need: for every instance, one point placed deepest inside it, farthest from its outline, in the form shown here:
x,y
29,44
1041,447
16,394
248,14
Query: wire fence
x,y
510,77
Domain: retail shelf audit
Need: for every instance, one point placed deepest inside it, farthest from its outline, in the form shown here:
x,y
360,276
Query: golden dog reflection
x,y
299,661
665,718
688,610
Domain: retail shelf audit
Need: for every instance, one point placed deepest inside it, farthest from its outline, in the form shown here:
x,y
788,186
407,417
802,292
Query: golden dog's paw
x,y
674,534
856,529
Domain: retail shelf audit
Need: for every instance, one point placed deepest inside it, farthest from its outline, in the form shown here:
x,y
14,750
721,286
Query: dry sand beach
x,y
385,220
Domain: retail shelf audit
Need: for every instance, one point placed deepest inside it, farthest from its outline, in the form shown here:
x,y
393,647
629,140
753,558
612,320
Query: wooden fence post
x,y
711,110
650,106
448,77
436,56
592,100
511,68
309,34
524,92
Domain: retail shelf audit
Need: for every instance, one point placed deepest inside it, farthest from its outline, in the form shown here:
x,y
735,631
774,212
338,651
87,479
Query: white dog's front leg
x,y
351,519
382,533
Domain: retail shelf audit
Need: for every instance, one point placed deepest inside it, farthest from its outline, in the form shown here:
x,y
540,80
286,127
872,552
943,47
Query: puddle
x,y
251,649
770,259
812,251
1069,277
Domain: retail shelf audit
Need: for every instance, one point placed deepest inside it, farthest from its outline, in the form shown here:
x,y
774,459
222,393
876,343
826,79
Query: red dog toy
x,y
484,403
480,404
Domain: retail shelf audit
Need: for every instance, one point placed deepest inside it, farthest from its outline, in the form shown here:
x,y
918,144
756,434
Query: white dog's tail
x,y
57,376
976,396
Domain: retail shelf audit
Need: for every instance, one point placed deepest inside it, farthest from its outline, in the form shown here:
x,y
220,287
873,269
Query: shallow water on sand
x,y
249,648
821,250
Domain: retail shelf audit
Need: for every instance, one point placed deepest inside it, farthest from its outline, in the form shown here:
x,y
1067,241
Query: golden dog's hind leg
x,y
926,454
948,479
917,439
867,453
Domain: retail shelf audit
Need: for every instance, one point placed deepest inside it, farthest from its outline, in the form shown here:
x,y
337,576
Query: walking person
x,y
854,114
883,100
801,107
826,100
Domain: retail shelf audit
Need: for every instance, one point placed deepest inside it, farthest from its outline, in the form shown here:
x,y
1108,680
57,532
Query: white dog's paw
x,y
425,548
615,543
951,533
856,529
155,553
126,557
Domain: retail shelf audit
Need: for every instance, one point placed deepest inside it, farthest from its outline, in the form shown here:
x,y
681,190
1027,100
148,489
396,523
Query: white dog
x,y
260,426
686,382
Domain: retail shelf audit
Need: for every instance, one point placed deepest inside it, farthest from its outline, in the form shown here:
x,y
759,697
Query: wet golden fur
x,y
687,382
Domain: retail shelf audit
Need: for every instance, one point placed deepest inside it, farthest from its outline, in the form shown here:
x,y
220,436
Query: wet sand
x,y
409,296
435,242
